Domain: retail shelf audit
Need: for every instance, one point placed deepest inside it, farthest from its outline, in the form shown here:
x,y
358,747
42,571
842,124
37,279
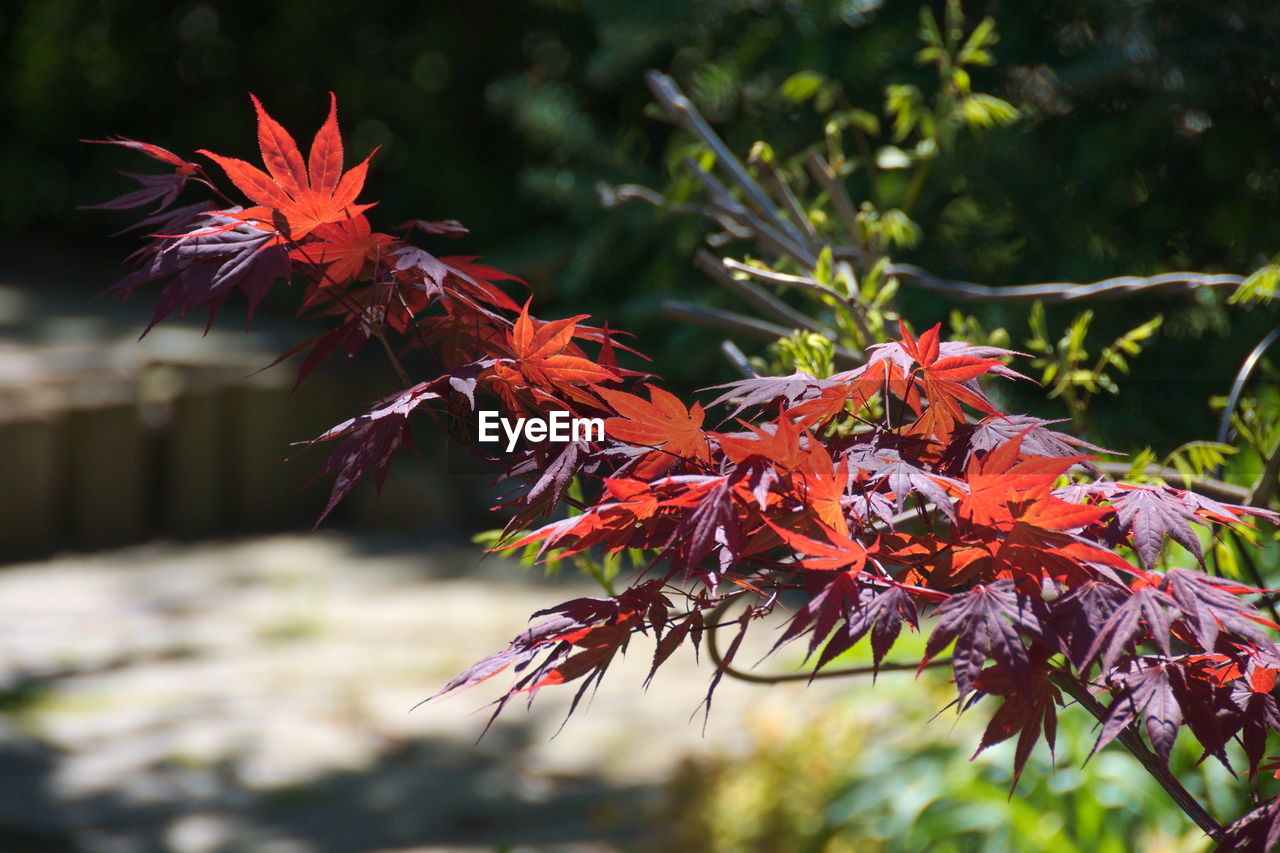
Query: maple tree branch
x,y
395,362
1207,486
1062,291
356,308
713,652
1129,737
1132,741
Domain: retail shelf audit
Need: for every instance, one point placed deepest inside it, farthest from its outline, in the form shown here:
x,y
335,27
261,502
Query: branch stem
x,y
1132,741
1207,486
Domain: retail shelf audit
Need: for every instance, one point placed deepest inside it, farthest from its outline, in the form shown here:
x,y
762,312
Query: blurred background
x,y
184,669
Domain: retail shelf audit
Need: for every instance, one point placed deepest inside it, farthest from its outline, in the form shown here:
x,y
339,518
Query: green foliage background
x,y
1151,139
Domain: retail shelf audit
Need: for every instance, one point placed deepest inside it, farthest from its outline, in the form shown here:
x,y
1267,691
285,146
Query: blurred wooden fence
x,y
110,443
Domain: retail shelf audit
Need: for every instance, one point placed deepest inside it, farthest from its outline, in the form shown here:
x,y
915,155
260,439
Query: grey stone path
x,y
256,695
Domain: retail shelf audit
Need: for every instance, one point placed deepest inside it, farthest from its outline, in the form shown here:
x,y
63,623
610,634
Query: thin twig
x,y
834,187
1237,384
374,326
1111,288
1128,737
728,321
738,359
753,295
682,111
781,190
801,281
858,307
1207,486
613,196
713,653
855,308
391,356
768,236
1250,567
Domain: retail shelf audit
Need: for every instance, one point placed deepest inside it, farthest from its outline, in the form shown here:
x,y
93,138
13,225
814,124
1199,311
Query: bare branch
x,y
1132,741
1111,288
801,281
737,358
728,321
757,298
781,190
682,111
1238,384
613,196
834,187
1207,486
770,237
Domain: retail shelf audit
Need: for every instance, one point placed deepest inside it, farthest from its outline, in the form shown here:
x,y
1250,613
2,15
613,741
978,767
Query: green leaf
x,y
904,104
928,32
1039,340
898,229
984,111
1260,286
983,36
1145,457
861,120
761,152
1198,458
824,269
803,85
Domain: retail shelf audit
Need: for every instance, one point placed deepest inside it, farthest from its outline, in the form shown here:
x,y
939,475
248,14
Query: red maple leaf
x,y
1004,488
947,379
342,248
834,551
290,197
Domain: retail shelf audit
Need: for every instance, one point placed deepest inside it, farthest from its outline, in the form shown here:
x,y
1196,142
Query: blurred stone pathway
x,y
256,695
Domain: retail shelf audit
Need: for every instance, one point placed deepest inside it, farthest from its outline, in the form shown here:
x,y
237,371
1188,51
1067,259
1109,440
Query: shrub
x,y
893,494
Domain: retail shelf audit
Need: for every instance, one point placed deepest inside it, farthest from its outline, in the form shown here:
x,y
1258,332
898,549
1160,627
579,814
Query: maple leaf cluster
x,y
894,495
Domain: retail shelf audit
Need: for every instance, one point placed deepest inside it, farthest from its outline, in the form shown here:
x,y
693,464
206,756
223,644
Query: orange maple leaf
x,y
547,360
662,423
291,197
342,248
